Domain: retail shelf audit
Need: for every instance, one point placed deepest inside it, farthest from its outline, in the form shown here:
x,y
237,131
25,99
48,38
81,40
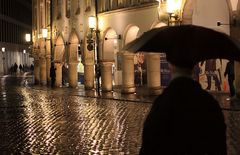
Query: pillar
x,y
36,71
43,71
48,66
89,76
73,74
58,82
153,73
128,73
106,76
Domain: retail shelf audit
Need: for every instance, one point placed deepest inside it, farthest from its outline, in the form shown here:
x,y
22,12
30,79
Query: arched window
x,y
59,9
68,8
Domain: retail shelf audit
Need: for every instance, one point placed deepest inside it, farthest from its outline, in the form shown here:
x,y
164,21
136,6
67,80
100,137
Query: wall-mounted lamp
x,y
92,26
119,37
234,23
44,33
173,9
24,51
92,22
3,49
28,37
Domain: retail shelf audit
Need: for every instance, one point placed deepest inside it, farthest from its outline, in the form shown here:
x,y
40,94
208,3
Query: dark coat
x,y
184,119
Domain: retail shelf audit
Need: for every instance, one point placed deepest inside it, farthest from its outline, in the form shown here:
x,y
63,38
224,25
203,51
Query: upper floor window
x,y
88,5
78,8
68,8
59,9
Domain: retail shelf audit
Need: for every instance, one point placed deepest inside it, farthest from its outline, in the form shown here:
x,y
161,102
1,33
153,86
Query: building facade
x,y
14,25
73,44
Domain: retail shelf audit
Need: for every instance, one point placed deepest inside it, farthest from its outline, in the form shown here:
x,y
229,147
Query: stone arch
x,y
208,13
75,66
158,24
59,49
59,58
110,44
73,47
111,53
131,33
140,74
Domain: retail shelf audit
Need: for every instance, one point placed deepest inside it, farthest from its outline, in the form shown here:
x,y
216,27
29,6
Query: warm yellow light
x,y
173,6
28,37
3,49
44,33
100,24
92,22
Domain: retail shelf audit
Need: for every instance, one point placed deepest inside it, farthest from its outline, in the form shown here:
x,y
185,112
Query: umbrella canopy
x,y
186,45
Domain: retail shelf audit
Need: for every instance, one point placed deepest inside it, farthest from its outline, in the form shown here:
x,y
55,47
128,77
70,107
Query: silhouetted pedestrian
x,y
229,71
15,68
184,119
32,68
20,68
53,75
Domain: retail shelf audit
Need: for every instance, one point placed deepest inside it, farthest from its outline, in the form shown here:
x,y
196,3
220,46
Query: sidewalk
x,y
141,94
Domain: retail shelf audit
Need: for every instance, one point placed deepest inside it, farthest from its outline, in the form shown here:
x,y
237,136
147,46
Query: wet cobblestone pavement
x,y
36,120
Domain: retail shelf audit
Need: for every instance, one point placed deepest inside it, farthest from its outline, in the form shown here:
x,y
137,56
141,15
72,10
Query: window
x,y
48,5
68,8
78,8
59,9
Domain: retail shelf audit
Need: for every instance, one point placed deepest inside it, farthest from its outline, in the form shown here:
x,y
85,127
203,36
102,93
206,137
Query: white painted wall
x,y
119,21
207,12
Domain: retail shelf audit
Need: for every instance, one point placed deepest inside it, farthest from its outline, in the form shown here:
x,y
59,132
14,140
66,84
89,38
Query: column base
x,y
44,83
128,90
154,90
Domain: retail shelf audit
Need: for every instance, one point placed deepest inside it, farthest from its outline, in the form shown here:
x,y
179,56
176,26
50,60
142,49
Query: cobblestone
x,y
46,121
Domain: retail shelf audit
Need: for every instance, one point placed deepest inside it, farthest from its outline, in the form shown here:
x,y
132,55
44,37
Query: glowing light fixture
x,y
92,22
28,37
44,33
173,6
3,49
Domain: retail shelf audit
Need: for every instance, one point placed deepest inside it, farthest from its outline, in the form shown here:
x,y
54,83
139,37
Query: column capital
x,y
73,62
48,56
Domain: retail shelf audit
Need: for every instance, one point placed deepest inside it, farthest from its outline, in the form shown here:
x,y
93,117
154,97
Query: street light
x,y
28,37
45,33
3,49
92,44
173,9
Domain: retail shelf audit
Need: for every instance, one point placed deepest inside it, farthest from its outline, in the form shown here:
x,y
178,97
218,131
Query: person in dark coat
x,y
53,75
229,71
184,119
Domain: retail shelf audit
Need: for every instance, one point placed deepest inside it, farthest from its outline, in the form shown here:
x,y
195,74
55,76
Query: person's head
x,y
178,71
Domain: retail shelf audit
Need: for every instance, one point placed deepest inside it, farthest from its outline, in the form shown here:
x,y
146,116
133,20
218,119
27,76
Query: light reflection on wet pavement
x,y
46,121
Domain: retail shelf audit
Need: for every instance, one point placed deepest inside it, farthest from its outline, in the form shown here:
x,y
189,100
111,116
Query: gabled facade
x,y
70,39
13,27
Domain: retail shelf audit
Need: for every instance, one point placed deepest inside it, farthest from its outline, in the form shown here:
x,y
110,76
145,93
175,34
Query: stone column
x,y
106,76
36,71
153,73
89,76
128,74
58,66
237,78
43,71
73,74
48,66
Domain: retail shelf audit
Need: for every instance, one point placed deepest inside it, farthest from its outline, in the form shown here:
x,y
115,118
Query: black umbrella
x,y
186,45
